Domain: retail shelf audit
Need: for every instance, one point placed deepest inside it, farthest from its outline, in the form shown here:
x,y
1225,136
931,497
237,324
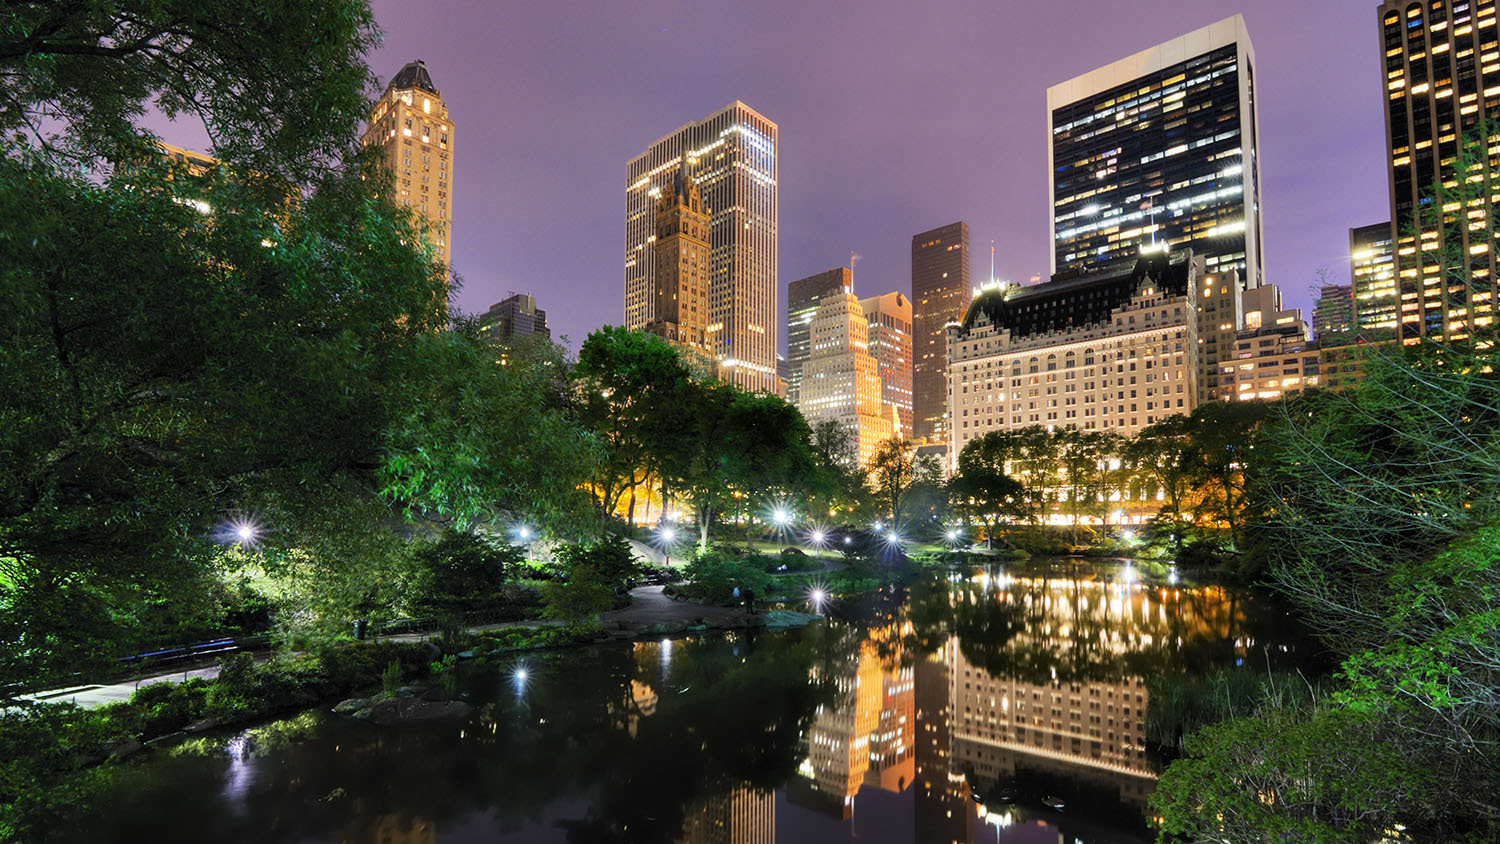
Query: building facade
x,y
939,293
1160,148
889,320
1333,314
1372,274
516,316
680,288
802,297
411,128
731,157
841,379
1274,355
1442,79
1107,352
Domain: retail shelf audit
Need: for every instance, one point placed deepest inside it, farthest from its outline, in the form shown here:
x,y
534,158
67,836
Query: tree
x,y
981,490
894,471
281,86
463,572
1221,439
1083,457
1034,452
1159,453
580,599
836,452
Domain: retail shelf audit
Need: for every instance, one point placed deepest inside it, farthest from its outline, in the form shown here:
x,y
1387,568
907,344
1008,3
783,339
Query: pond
x,y
970,706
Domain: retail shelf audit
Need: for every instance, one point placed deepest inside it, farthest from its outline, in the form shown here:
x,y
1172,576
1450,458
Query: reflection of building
x,y
397,829
410,127
742,816
731,157
943,809
939,294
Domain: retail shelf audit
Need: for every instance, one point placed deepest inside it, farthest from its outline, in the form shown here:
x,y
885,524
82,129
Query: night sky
x,y
895,117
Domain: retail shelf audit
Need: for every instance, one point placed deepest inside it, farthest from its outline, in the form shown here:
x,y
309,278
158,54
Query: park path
x,y
648,606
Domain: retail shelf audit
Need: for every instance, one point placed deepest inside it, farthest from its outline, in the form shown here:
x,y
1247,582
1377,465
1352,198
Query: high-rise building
x,y
1372,272
1442,79
889,318
841,378
1333,314
802,298
680,289
1274,356
410,127
939,294
1160,148
731,157
515,316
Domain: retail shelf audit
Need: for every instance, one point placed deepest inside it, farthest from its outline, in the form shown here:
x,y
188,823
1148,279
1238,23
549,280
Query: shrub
x,y
464,572
581,599
390,679
445,674
611,558
712,579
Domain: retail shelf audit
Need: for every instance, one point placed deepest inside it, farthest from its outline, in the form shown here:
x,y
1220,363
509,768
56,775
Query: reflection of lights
x,y
1172,577
521,674
817,596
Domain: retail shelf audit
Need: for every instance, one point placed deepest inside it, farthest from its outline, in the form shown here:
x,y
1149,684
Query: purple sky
x,y
895,117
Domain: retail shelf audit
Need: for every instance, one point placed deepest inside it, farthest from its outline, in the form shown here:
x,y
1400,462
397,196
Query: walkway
x,y
648,606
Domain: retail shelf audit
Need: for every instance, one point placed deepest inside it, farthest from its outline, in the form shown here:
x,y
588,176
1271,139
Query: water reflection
x,y
953,712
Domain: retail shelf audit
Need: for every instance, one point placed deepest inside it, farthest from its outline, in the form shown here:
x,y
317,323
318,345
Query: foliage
x,y
611,558
464,572
580,599
445,673
981,491
713,577
895,471
1178,706
390,679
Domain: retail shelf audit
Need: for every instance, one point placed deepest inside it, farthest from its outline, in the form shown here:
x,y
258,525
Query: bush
x,y
166,707
712,579
390,679
611,558
464,573
1038,542
580,599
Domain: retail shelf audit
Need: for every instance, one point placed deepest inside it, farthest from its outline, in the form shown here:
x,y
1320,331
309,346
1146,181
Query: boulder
x,y
399,710
351,706
201,726
122,748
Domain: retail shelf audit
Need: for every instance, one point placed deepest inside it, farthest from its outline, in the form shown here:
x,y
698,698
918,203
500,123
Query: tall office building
x,y
1442,78
889,318
1333,314
1160,147
1372,272
680,289
802,298
731,157
939,294
841,378
515,316
411,128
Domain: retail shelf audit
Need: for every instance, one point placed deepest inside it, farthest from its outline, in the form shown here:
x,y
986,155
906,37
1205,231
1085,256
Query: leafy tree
x,y
611,558
981,490
1221,439
1083,457
836,453
1159,454
895,471
280,85
580,599
463,572
1035,458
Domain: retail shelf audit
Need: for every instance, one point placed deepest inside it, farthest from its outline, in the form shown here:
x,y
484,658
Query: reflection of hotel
x,y
742,816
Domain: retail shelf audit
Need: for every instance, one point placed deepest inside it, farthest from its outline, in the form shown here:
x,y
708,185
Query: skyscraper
x,y
1333,314
411,128
1441,80
802,298
680,289
939,294
1372,272
841,378
1159,148
731,157
515,316
889,319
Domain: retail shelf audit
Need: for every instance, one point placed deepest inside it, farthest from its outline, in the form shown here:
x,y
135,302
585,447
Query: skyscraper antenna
x,y
992,261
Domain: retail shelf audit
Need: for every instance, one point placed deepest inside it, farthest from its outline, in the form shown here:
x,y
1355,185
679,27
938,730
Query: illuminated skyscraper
x,y
841,378
802,298
1372,271
1160,147
889,318
1442,79
680,289
940,295
410,127
731,157
1333,314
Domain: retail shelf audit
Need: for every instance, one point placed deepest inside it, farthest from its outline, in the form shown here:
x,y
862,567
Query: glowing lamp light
x,y
669,534
952,536
818,537
847,540
781,517
1129,534
524,532
521,674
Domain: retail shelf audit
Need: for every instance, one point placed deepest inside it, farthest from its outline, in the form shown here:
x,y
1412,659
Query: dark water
x,y
953,710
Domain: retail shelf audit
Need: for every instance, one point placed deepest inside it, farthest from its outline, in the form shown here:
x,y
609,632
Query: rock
x,y
397,710
122,748
465,654
433,651
351,706
204,725
410,691
434,695
167,739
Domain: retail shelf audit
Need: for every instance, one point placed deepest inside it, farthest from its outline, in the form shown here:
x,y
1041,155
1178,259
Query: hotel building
x,y
411,128
731,157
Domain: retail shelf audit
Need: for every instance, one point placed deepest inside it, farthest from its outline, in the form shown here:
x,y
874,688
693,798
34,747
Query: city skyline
x,y
540,195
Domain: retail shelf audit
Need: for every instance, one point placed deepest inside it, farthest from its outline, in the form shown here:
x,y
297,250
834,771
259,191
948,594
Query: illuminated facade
x,y
743,816
802,298
1372,274
889,319
1160,147
1274,355
680,288
1097,352
731,157
516,316
841,378
411,128
939,294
